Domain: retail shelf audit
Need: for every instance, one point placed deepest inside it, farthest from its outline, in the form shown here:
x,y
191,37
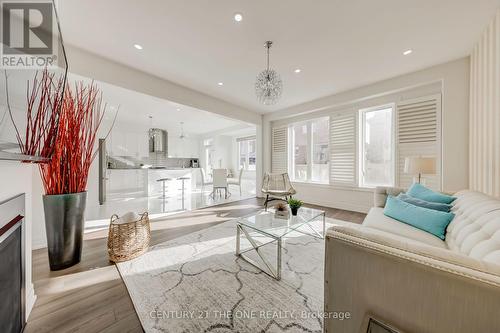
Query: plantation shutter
x,y
419,134
343,149
279,153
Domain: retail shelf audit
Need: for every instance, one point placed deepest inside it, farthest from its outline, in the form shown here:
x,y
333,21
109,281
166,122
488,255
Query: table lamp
x,y
417,165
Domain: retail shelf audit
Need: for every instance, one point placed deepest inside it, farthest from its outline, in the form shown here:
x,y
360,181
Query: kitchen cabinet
x,y
128,143
117,143
127,181
122,142
143,141
174,185
186,148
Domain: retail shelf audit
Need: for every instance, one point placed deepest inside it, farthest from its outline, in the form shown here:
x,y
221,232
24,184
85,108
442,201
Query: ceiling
x,y
135,108
337,44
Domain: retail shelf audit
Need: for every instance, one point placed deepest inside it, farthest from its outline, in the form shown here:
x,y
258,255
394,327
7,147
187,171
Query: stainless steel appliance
x,y
103,166
158,141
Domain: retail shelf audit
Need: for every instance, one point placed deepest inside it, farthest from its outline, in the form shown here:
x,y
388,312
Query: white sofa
x,y
413,280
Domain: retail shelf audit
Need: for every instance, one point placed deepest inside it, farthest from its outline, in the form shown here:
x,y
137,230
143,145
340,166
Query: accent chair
x,y
277,186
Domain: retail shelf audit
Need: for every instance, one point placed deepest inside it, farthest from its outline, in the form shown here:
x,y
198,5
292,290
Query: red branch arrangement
x,y
80,119
44,98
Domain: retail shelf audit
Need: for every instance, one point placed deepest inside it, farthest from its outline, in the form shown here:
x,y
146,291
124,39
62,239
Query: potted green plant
x,y
294,205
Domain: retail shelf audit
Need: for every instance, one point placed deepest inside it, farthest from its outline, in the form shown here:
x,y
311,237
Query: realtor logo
x,y
27,35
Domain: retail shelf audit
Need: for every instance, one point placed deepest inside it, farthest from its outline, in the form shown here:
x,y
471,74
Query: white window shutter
x,y
419,134
279,153
343,149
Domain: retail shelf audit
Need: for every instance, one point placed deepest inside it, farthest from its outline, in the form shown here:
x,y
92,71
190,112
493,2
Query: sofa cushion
x,y
425,204
432,221
475,231
377,220
420,191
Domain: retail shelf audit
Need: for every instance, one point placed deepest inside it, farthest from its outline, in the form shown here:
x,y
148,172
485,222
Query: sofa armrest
x,y
416,251
381,193
413,286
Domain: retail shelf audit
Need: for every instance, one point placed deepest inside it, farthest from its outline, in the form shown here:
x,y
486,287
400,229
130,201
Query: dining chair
x,y
236,181
219,182
204,180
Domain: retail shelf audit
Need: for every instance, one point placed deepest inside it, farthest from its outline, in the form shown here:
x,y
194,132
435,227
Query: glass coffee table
x,y
271,227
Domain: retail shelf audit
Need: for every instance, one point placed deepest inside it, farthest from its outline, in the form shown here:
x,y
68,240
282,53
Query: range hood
x,y
158,141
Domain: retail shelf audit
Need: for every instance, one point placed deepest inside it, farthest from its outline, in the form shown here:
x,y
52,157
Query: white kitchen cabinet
x,y
128,143
173,146
127,182
118,143
143,140
187,148
131,144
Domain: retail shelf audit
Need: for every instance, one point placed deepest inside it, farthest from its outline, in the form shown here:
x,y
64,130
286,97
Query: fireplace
x,y
12,279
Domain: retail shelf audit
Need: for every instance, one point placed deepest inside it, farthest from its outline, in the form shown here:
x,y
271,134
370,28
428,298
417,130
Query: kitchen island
x,y
145,181
174,185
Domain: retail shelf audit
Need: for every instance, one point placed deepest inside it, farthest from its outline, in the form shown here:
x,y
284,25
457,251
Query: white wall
x,y
485,112
39,238
16,178
132,140
90,65
451,79
225,147
222,151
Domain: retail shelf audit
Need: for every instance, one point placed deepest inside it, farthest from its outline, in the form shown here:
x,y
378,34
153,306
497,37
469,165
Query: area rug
x,y
196,284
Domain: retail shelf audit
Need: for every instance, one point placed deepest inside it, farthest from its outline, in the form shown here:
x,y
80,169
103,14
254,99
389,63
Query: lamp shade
x,y
420,165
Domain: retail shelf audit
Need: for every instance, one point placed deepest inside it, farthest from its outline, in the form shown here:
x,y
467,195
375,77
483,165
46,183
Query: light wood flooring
x,y
91,296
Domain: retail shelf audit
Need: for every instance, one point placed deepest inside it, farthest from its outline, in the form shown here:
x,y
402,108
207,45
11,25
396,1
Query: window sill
x,y
334,187
309,183
371,188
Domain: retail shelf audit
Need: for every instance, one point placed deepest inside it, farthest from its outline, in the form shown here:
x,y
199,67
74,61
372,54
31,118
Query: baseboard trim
x,y
353,207
30,300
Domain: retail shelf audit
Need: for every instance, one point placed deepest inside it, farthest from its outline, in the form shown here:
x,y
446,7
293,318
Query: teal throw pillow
x,y
432,221
421,192
422,203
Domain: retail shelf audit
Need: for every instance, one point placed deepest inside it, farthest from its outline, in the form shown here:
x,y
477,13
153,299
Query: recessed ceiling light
x,y
178,109
407,52
220,83
298,70
238,17
137,46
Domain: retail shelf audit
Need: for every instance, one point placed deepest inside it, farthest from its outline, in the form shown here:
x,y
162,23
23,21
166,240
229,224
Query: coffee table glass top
x,y
266,222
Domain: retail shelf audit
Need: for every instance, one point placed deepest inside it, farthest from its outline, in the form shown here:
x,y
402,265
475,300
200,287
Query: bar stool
x,y
163,181
183,179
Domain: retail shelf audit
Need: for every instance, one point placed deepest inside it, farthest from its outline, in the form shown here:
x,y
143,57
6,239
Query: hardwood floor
x,y
91,296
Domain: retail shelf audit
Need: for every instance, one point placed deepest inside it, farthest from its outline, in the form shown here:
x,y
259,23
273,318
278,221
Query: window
x,y
299,156
209,154
246,153
309,157
320,163
376,147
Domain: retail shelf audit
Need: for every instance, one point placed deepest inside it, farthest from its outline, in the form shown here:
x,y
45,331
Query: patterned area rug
x,y
196,284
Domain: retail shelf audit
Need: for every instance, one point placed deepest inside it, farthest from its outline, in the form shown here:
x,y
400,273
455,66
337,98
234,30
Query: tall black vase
x,y
64,223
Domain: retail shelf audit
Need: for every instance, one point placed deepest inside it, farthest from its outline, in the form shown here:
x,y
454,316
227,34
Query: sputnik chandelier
x,y
268,85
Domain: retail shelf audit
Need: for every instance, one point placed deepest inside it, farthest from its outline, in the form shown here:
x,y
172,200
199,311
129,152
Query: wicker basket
x,y
128,240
